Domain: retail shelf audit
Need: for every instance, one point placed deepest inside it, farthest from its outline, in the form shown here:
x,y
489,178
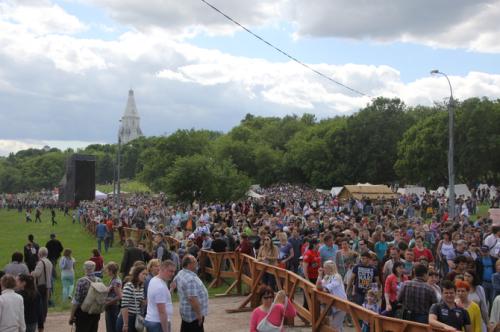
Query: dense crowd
x,y
386,255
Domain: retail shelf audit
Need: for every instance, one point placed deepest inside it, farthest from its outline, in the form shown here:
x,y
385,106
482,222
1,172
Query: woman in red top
x,y
99,262
311,262
420,250
393,284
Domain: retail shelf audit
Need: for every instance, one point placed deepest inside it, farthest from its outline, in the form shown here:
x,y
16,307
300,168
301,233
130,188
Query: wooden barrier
x,y
147,236
236,269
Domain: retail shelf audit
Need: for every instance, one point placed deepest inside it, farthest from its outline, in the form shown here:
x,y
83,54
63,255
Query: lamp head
x,y
434,71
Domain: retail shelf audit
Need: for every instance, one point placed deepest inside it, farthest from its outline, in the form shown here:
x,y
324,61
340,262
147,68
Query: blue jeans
x,y
111,315
154,326
488,290
99,241
131,323
68,281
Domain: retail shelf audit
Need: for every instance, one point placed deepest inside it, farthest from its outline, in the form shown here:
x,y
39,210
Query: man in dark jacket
x,y
31,252
55,249
130,256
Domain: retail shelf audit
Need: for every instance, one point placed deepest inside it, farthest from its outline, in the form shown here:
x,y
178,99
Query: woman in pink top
x,y
278,311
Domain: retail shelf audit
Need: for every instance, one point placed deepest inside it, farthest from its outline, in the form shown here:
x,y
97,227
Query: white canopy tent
x,y
460,190
412,190
335,191
99,196
253,194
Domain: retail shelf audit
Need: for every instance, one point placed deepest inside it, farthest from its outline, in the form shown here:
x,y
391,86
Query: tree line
x,y
385,142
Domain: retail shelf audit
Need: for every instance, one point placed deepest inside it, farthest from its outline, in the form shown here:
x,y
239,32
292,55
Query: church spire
x,y
130,124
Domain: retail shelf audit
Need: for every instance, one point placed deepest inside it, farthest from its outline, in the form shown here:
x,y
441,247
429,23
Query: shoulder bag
x,y
266,326
139,319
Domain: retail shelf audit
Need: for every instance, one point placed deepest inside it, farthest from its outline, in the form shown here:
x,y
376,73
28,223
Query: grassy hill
x,y
14,233
130,186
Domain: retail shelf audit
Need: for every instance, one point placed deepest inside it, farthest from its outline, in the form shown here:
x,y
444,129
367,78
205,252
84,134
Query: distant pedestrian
x,y
31,252
38,215
101,232
53,216
28,215
193,296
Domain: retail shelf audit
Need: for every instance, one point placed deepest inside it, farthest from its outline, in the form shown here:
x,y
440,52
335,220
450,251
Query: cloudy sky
x,y
66,65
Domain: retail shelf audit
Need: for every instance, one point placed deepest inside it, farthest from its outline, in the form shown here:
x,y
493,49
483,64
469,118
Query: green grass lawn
x,y
14,233
130,186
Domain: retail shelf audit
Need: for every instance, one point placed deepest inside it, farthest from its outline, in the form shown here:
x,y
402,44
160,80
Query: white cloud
x,y
64,88
472,25
13,146
191,17
40,17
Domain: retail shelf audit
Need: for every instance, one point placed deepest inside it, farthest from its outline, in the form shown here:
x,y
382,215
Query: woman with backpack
x,y
88,301
132,300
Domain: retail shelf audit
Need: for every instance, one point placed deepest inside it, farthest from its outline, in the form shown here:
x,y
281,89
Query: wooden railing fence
x,y
235,270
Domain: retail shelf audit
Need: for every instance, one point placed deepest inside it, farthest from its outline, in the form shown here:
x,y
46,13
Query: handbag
x,y
139,319
266,326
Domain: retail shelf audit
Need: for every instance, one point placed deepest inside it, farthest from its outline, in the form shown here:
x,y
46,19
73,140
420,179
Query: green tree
x,y
201,177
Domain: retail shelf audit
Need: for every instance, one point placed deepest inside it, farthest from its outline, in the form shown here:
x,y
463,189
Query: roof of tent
x,y
367,191
253,194
100,195
461,190
412,190
323,191
335,191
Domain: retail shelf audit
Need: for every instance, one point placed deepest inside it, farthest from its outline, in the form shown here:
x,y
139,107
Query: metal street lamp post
x,y
451,168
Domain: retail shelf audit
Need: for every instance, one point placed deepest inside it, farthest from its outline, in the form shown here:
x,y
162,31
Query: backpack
x,y
95,300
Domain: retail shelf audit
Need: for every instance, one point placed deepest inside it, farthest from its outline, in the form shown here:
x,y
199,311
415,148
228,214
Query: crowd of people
x,y
386,255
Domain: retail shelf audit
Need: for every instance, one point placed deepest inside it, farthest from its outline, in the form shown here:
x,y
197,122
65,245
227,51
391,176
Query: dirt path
x,y
217,321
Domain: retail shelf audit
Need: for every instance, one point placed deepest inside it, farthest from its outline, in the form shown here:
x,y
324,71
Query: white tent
x,y
100,195
461,190
441,190
323,191
253,194
412,190
335,191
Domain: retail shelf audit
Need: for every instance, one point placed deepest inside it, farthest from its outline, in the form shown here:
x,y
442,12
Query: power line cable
x,y
283,52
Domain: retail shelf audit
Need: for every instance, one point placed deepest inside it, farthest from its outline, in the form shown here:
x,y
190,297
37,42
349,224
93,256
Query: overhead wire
x,y
284,52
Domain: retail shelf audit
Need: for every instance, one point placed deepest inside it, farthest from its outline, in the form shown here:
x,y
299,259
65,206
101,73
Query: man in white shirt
x,y
160,308
11,306
493,241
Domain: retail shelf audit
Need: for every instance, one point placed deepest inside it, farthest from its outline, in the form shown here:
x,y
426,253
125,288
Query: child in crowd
x,y
371,303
